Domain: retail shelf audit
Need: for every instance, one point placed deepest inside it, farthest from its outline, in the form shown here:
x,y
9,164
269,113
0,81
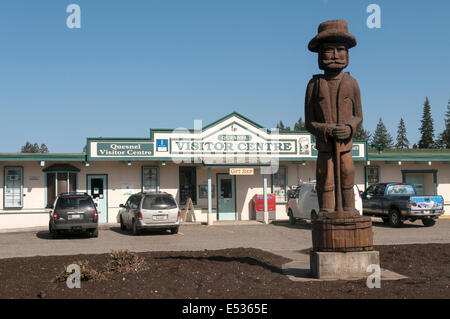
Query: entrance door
x,y
97,187
226,197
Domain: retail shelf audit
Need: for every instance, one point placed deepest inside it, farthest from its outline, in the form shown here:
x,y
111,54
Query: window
x,y
159,202
279,184
400,189
150,179
75,203
379,190
372,175
13,187
188,184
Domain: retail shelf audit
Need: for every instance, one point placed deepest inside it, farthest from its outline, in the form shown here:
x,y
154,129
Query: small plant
x,y
123,261
87,272
119,261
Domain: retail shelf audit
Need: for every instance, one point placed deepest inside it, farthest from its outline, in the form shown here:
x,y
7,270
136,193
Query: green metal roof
x,y
418,155
11,157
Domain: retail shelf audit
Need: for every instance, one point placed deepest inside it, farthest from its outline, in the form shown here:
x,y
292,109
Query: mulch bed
x,y
229,273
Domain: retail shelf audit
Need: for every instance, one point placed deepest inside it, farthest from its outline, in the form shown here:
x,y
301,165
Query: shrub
x,y
123,261
87,272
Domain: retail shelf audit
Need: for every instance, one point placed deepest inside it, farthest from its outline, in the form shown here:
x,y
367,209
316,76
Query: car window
x,y
371,190
75,202
379,191
159,202
134,203
400,190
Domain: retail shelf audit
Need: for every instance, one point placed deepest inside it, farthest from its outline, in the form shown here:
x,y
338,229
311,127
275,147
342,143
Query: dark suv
x,y
74,212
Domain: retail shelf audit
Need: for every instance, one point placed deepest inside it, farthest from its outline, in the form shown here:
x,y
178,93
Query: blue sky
x,y
139,64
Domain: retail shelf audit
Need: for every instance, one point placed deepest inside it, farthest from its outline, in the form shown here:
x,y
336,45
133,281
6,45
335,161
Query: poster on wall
x,y
127,189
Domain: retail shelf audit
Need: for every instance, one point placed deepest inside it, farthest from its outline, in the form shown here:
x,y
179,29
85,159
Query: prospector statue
x,y
332,114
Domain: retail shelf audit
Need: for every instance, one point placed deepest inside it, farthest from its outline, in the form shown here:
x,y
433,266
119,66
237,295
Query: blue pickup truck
x,y
397,202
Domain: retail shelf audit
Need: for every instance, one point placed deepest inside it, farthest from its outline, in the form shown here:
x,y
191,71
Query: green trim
x,y
22,178
42,157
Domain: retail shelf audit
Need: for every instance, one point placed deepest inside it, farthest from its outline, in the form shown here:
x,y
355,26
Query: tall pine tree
x,y
300,125
444,138
427,129
362,134
281,127
402,140
381,136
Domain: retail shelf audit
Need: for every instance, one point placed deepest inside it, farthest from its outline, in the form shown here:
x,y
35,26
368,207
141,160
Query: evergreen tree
x,y
402,140
381,137
34,148
362,134
444,138
300,125
281,127
427,129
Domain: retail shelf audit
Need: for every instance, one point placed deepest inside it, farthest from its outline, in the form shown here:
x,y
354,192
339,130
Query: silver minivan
x,y
153,210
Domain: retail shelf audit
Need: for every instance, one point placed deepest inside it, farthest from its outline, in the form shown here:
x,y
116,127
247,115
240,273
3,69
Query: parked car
x,y
304,204
155,210
73,212
397,202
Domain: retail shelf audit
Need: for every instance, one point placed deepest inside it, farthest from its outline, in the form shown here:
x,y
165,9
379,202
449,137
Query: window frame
x,y
285,188
157,178
21,186
68,172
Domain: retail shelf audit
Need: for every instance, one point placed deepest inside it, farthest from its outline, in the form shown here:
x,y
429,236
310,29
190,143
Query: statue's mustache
x,y
326,62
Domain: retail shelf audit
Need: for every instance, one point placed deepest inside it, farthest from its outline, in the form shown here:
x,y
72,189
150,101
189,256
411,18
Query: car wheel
x,y
428,222
174,230
314,215
395,219
135,229
122,225
94,233
292,219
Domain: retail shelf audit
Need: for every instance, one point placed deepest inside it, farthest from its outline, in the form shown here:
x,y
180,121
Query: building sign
x,y
112,150
242,171
161,145
232,141
234,147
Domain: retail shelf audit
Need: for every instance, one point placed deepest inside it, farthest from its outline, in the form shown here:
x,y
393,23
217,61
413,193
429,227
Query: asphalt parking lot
x,y
277,236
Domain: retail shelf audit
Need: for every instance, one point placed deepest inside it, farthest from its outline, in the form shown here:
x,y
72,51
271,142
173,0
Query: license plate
x,y
160,217
75,216
426,212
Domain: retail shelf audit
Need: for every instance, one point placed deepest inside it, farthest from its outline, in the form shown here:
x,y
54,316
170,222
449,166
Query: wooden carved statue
x,y
332,114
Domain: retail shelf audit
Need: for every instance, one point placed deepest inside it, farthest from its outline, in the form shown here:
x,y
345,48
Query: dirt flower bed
x,y
228,273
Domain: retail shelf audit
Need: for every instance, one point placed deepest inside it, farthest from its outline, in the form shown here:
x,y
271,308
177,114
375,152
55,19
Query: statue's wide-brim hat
x,y
334,31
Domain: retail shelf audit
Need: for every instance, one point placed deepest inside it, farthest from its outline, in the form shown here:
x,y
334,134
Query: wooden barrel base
x,y
342,234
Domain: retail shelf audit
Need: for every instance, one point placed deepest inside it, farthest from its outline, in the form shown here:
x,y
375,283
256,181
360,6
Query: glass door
x,y
97,187
226,197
